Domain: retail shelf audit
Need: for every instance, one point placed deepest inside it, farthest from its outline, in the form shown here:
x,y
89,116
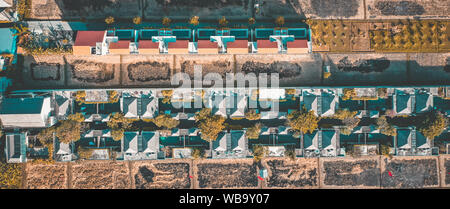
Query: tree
x,y
137,20
165,121
279,21
68,131
223,21
252,115
10,175
118,121
303,121
79,117
194,21
385,150
385,127
109,20
202,114
348,120
117,134
210,127
166,21
84,153
22,33
290,153
433,124
259,152
251,21
167,94
254,131
198,153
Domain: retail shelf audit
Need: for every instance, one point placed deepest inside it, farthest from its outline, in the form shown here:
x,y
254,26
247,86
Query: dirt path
x,y
24,176
69,175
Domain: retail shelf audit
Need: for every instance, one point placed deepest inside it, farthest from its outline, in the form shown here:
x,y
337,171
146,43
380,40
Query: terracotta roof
x,y
89,38
266,44
238,44
179,44
206,44
297,44
119,45
148,44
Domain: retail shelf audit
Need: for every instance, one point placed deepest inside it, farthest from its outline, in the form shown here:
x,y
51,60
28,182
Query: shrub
x,y
109,20
279,21
137,20
194,20
223,21
166,21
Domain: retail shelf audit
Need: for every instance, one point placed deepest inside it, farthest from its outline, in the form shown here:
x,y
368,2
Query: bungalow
x,y
178,47
86,42
26,112
237,47
424,101
138,107
323,102
409,141
403,101
297,47
63,151
207,47
267,47
148,47
144,146
323,143
16,147
5,15
230,145
120,47
62,104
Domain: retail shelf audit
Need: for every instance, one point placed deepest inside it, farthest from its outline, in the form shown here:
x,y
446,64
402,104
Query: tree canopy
x,y
254,131
68,131
211,126
433,124
303,121
165,121
259,152
385,127
252,115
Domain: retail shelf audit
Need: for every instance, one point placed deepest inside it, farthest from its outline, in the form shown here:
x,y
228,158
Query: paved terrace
x,y
300,70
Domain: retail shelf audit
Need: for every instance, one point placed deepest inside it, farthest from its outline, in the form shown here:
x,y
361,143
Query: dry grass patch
x,y
46,176
286,173
100,175
161,175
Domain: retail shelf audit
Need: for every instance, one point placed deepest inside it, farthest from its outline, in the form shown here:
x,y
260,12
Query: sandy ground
x,y
395,73
43,66
444,165
225,173
394,9
205,9
148,70
410,172
100,175
158,174
426,67
350,173
285,173
293,70
64,9
42,176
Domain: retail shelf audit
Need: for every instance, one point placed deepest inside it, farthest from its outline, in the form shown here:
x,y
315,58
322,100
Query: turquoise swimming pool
x,y
8,43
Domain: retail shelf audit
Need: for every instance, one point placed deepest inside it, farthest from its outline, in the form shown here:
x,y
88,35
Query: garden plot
x,y
429,68
220,64
366,69
359,40
205,9
291,69
69,9
410,172
100,175
350,172
315,9
226,173
331,35
285,173
397,9
168,174
46,176
86,71
445,170
148,70
43,70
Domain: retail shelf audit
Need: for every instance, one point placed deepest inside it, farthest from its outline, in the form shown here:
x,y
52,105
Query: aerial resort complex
x,y
125,94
